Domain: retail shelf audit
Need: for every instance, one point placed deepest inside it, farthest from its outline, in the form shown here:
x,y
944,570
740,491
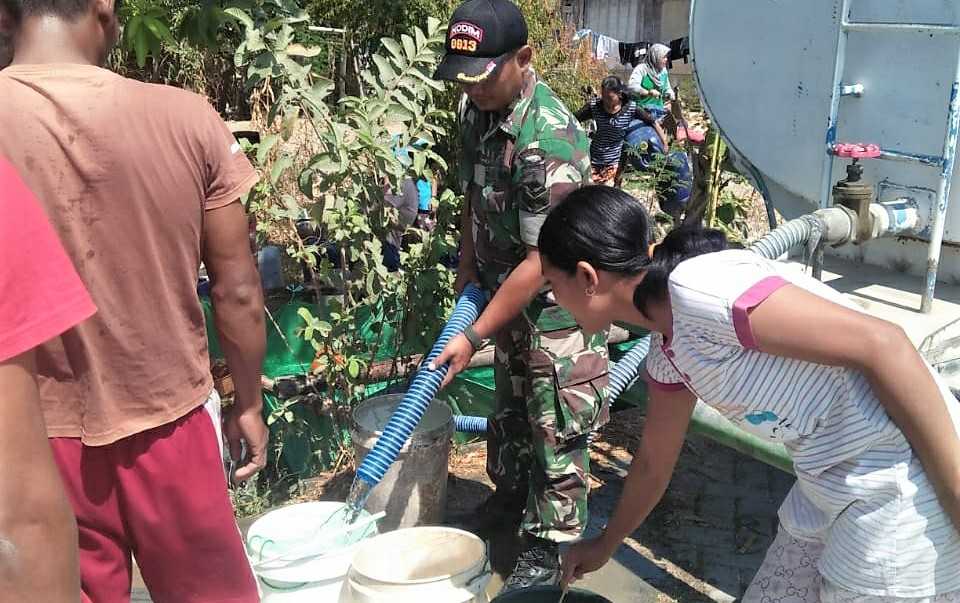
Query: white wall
x,y
636,20
618,19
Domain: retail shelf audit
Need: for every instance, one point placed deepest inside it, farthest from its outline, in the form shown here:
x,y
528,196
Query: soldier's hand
x,y
457,354
583,558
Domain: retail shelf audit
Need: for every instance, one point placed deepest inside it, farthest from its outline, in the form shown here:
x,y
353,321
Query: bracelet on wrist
x,y
473,337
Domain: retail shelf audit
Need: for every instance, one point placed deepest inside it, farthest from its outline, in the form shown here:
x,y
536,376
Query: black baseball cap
x,y
482,33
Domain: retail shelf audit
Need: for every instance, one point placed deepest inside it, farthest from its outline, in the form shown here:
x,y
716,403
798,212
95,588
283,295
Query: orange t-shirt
x,y
125,171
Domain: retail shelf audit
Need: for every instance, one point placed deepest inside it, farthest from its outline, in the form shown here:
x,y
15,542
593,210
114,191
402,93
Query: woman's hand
x,y
653,93
668,416
584,557
457,353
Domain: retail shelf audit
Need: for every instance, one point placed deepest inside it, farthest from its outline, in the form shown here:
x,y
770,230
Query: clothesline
x,y
614,52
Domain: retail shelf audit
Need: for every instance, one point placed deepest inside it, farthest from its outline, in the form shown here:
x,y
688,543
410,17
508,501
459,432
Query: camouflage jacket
x,y
514,167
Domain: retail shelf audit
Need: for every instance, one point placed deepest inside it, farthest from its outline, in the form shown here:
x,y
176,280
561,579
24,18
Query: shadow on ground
x,y
703,542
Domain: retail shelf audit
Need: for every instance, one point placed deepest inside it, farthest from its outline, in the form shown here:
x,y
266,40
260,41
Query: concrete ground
x,y
703,542
707,537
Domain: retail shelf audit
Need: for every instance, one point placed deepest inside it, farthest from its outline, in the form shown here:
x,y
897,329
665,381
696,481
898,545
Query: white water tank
x,y
765,71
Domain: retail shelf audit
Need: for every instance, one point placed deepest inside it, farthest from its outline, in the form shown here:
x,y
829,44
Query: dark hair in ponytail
x,y
612,83
610,230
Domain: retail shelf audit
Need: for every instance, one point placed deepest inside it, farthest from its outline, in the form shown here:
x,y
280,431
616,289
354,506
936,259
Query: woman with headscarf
x,y
650,82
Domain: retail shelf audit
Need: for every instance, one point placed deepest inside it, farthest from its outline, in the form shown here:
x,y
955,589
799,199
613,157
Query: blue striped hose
x,y
423,388
466,424
625,372
800,231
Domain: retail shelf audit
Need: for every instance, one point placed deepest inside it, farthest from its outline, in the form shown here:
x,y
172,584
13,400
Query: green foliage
x,y
334,163
248,500
153,29
202,26
566,67
145,31
194,45
732,213
368,21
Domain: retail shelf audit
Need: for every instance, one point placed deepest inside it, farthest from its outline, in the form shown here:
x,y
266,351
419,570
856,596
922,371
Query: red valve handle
x,y
856,150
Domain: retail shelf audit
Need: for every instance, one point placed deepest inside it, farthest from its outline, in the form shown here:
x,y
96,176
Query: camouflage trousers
x,y
551,382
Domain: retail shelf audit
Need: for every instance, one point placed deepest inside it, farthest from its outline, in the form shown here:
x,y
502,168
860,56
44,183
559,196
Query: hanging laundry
x,y
587,36
679,49
608,50
631,53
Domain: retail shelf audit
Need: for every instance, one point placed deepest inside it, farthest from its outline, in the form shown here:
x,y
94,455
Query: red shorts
x,y
161,495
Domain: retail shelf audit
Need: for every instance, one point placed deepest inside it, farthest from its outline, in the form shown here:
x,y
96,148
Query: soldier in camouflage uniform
x,y
522,153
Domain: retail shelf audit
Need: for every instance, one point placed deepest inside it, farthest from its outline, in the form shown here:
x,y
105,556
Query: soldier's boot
x,y
538,565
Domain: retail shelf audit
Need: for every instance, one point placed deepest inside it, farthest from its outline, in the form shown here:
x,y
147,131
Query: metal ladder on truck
x,y
944,162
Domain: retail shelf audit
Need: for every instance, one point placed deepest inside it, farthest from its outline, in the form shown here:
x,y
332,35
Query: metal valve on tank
x,y
853,193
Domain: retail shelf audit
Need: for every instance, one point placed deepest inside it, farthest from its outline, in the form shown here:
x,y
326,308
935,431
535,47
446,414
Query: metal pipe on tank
x,y
943,195
898,217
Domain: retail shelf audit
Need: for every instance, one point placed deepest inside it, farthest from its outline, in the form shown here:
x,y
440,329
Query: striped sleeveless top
x,y
860,489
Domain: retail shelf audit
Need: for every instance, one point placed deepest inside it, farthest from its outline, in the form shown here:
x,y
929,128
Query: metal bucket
x,y
414,490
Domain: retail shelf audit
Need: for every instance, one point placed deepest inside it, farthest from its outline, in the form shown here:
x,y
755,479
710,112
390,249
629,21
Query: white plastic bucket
x,y
419,565
293,561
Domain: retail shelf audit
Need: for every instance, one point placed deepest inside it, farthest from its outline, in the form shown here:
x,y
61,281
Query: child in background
x,y
613,113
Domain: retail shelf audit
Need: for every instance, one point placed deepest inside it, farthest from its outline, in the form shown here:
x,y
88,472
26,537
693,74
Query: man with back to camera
x,y
522,153
141,183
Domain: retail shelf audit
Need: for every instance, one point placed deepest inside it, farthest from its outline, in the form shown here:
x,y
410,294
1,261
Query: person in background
x,y
426,192
612,113
405,202
127,396
650,82
522,152
426,187
413,204
871,428
42,297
